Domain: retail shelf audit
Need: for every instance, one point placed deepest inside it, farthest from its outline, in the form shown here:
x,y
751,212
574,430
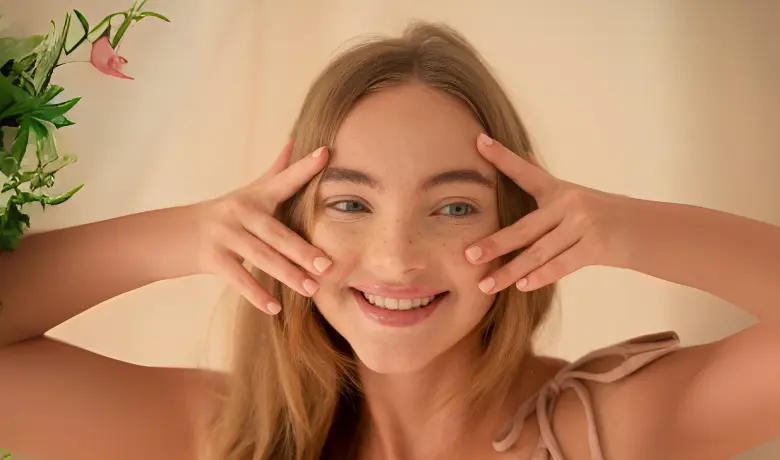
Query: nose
x,y
396,248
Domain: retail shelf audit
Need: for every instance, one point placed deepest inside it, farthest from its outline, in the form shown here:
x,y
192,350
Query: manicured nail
x,y
485,140
474,253
310,286
322,264
487,284
522,283
274,307
317,152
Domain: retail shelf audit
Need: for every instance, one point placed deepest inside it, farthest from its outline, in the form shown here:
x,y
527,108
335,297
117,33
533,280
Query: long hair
x,y
293,392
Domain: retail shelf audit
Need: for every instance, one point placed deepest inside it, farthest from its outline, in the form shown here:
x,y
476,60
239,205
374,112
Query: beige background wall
x,y
669,100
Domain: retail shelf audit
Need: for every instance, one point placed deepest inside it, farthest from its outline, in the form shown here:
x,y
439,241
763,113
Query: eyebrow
x,y
455,176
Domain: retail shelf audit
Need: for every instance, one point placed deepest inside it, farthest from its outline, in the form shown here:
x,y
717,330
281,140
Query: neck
x,y
423,414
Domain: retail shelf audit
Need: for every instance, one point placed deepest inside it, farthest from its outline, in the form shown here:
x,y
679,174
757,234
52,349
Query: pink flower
x,y
105,59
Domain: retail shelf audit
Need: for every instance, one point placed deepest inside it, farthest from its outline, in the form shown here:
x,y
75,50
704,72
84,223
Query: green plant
x,y
30,117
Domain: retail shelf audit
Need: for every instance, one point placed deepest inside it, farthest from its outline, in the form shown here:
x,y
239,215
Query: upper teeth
x,y
397,304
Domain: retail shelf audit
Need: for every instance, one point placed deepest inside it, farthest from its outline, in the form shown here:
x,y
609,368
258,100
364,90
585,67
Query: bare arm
x,y
729,400
62,402
56,275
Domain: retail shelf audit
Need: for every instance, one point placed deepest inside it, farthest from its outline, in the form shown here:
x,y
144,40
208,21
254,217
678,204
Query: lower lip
x,y
397,318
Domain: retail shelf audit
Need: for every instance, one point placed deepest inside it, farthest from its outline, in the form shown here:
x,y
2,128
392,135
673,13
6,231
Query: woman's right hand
x,y
241,226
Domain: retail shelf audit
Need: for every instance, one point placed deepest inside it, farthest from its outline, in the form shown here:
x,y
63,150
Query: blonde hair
x,y
294,392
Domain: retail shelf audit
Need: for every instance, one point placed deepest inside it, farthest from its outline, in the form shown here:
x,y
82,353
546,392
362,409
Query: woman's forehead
x,y
411,129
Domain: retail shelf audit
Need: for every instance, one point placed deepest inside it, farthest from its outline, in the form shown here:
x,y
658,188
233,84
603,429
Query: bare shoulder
x,y
631,413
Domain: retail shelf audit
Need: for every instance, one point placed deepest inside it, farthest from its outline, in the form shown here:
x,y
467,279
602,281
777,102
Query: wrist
x,y
174,242
635,221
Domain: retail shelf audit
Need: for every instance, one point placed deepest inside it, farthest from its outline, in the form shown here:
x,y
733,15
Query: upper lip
x,y
399,292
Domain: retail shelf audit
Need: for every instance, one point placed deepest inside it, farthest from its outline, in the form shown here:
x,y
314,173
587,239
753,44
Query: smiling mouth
x,y
400,304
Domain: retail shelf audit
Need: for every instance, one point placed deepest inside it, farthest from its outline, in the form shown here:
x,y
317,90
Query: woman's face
x,y
405,194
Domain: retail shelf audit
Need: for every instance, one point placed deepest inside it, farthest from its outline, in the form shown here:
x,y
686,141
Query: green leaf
x,y
12,49
46,145
8,165
13,223
53,201
77,34
44,200
14,101
51,92
103,26
52,112
147,14
21,142
121,31
49,52
61,122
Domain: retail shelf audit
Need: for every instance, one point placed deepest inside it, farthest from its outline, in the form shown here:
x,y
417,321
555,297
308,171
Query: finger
x,y
539,253
287,242
518,235
282,161
565,264
534,180
531,158
288,182
266,258
230,269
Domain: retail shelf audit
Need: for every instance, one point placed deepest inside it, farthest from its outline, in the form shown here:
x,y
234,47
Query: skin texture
x,y
709,401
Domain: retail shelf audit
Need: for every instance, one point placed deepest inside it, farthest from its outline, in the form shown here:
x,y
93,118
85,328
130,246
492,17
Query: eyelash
x,y
472,208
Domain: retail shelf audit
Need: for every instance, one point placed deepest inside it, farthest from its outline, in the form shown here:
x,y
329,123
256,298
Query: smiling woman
x,y
394,209
405,246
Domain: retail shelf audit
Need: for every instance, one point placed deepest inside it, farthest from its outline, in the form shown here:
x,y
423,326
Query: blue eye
x,y
348,206
459,209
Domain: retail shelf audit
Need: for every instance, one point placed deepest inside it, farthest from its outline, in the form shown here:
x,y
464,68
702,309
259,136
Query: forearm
x,y
56,275
731,257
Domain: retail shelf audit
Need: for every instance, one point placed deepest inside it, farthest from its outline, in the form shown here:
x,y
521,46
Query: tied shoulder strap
x,y
636,353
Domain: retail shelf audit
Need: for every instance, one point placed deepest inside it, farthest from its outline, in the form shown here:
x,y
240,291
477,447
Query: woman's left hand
x,y
574,227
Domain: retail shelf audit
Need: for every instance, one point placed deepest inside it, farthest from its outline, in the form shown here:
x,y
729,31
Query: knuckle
x,y
262,252
556,266
233,206
536,254
574,197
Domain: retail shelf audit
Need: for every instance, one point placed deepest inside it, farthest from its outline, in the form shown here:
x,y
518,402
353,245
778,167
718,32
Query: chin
x,y
392,358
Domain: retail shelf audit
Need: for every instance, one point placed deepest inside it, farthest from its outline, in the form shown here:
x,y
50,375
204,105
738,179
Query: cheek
x,y
342,244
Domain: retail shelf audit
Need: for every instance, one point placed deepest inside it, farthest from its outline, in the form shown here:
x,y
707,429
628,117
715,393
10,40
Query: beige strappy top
x,y
636,353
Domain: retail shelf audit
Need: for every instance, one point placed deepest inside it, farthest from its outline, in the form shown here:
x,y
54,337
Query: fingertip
x,y
273,308
319,152
522,284
473,254
484,140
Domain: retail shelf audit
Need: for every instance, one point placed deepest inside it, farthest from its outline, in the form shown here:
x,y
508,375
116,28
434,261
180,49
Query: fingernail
x,y
322,264
474,253
485,140
310,286
274,307
317,152
487,284
522,283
